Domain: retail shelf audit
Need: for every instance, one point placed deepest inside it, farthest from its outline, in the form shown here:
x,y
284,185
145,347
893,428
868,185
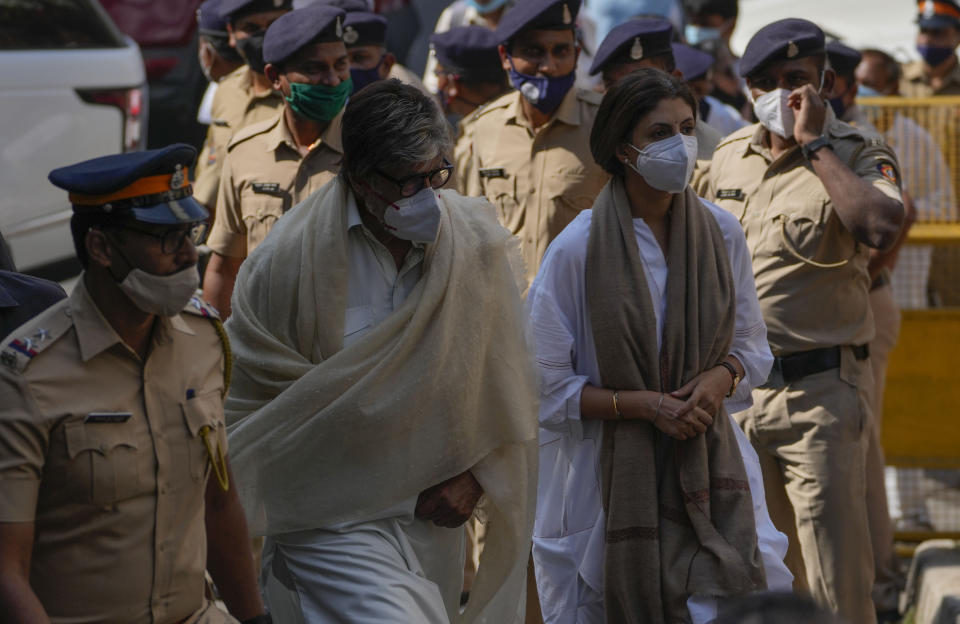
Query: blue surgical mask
x,y
865,91
489,7
696,35
934,55
544,92
363,77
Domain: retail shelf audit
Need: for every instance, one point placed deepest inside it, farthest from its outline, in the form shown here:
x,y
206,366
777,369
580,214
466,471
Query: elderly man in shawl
x,y
383,386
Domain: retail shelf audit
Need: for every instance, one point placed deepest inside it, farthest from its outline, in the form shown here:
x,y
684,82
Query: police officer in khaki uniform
x,y
645,42
814,195
115,489
886,316
530,149
245,96
273,165
938,71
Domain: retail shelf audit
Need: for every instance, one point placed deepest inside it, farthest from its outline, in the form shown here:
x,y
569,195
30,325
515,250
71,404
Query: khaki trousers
x,y
811,436
886,586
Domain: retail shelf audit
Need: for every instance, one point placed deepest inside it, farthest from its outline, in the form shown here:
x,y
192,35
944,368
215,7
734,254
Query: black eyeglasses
x,y
412,185
171,241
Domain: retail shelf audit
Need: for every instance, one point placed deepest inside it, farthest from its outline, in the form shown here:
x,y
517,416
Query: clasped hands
x,y
684,413
450,503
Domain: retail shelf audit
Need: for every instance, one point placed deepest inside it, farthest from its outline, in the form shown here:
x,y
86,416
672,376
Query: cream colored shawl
x,y
444,384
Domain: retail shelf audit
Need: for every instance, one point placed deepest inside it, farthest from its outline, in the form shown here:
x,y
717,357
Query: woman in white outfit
x,y
648,334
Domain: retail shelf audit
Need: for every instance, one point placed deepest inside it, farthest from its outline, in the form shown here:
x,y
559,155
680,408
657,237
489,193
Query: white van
x,y
72,87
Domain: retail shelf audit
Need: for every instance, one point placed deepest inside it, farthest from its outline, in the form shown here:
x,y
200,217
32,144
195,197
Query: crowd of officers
x,y
95,526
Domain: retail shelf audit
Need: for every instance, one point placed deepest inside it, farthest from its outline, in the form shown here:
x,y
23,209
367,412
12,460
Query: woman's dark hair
x,y
629,100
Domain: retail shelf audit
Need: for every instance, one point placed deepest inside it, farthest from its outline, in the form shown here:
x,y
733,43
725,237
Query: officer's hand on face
x,y
811,113
680,421
449,504
706,391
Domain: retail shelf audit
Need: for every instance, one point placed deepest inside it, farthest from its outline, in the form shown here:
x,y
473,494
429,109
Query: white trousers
x,y
390,570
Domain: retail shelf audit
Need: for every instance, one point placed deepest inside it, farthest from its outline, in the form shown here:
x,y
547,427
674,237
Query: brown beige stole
x,y
679,514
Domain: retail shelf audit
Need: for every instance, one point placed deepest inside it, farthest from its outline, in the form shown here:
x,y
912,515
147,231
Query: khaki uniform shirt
x,y
102,453
235,106
265,175
916,83
538,180
790,224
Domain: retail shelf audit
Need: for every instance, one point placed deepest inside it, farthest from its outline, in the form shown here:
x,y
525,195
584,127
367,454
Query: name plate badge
x,y
95,418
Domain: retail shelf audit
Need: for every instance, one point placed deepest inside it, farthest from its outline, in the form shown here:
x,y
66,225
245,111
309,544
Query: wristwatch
x,y
733,373
810,148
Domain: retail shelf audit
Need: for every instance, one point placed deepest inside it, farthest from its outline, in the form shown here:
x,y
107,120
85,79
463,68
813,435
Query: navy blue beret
x,y
468,50
232,9
209,18
151,186
783,40
314,23
843,58
938,14
633,40
692,63
537,15
362,28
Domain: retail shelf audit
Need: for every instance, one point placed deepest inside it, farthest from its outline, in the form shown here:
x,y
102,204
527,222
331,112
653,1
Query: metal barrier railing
x,y
921,419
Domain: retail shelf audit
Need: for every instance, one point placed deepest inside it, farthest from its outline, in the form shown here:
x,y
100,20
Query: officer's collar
x,y
568,112
95,334
280,134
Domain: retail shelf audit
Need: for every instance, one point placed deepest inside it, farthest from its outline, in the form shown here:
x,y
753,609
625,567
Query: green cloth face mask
x,y
319,102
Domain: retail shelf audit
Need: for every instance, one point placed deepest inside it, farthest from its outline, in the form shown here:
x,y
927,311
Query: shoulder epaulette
x,y
501,102
198,307
251,131
590,96
736,137
36,335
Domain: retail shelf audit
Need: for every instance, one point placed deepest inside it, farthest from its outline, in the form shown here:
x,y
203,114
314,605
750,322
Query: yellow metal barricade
x,y
921,416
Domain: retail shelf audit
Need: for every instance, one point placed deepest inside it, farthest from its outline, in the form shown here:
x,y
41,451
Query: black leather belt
x,y
798,365
881,280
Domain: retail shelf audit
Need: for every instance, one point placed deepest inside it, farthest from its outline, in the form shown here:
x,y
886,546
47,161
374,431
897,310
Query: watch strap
x,y
810,148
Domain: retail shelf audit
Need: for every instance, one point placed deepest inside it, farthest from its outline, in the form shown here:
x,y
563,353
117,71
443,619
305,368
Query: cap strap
x,y
151,185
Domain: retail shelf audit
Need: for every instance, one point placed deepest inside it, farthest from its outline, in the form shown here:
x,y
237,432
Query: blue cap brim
x,y
173,212
938,21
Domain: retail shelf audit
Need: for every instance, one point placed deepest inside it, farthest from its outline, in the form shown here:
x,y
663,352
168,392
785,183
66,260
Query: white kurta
x,y
568,538
390,567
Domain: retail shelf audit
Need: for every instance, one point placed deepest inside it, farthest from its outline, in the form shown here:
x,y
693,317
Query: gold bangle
x,y
616,404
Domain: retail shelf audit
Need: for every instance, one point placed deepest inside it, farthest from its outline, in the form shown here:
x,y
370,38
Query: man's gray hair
x,y
389,123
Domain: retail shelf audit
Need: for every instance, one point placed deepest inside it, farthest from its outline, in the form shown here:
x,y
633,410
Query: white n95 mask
x,y
667,165
415,218
775,113
163,295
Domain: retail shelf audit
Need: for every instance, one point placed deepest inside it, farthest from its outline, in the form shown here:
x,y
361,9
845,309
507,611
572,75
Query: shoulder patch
x,y
888,171
31,339
590,96
251,131
198,307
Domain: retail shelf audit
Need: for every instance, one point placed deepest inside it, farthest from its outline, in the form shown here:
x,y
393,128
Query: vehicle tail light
x,y
130,102
158,67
